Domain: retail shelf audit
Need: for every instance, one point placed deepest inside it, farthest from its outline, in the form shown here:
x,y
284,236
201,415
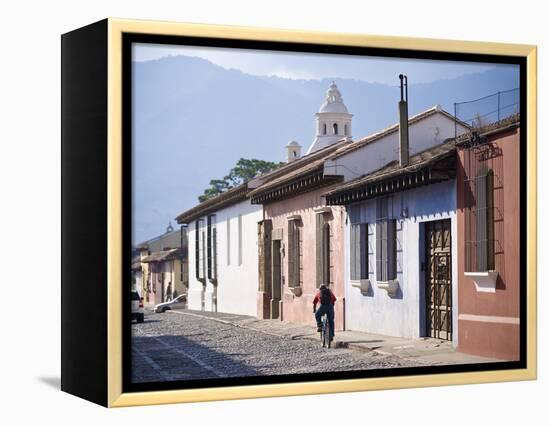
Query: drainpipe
x,y
404,123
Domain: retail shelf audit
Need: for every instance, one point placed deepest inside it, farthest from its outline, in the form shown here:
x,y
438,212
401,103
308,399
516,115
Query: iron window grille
x,y
483,206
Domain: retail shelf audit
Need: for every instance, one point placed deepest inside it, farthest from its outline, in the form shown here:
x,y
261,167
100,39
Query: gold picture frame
x,y
116,28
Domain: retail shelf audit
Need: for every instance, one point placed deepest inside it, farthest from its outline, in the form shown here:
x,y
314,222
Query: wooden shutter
x,y
214,254
291,254
363,251
353,252
319,248
197,250
392,249
209,247
386,247
382,250
326,254
359,251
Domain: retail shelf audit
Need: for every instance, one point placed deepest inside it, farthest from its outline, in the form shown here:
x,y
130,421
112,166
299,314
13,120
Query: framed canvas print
x,y
254,212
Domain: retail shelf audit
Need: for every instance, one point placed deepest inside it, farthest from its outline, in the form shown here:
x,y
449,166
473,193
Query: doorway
x,y
276,280
439,318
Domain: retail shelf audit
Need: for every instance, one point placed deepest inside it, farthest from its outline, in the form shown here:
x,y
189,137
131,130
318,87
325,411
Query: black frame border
x,y
129,38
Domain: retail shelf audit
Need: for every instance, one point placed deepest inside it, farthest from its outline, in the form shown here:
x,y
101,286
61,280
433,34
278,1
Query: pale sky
x,y
313,66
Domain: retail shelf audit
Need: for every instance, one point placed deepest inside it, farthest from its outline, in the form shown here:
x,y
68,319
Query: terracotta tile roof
x,y
297,169
227,198
498,126
393,128
161,242
241,192
161,256
391,170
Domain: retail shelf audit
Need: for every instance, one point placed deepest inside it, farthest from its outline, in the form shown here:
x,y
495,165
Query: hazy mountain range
x,y
193,120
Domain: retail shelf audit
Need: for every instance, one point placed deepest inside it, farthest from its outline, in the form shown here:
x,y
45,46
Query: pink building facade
x,y
320,257
300,240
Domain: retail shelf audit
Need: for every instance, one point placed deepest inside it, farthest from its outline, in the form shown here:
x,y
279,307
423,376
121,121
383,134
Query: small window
x,y
324,128
335,128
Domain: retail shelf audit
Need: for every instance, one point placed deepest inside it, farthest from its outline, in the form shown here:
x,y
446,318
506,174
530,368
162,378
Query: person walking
x,y
169,292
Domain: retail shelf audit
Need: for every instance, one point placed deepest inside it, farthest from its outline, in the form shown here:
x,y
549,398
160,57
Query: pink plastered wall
x,y
299,308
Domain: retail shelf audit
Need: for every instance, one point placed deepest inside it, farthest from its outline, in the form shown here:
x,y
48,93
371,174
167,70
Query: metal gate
x,y
439,318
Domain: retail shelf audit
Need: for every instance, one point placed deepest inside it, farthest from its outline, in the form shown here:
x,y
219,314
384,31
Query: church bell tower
x,y
332,122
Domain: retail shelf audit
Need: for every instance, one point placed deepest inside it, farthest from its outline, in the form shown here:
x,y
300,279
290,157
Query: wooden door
x,y
439,318
276,291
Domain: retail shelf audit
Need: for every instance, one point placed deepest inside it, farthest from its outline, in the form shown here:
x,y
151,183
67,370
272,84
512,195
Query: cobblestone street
x,y
183,346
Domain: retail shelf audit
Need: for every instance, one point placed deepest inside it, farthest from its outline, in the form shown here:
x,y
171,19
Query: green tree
x,y
244,170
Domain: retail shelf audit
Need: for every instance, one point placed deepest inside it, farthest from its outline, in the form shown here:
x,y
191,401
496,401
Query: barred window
x,y
483,205
359,251
386,247
483,212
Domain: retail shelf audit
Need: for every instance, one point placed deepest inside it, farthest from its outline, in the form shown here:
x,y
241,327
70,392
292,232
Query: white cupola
x,y
332,122
293,151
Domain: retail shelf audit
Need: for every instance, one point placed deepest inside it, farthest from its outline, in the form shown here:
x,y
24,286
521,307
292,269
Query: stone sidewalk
x,y
428,350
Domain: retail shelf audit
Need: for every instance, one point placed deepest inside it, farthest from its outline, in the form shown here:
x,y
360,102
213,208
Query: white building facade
x,y
396,305
223,258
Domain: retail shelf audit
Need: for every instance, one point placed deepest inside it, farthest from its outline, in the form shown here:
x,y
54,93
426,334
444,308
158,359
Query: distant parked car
x,y
137,307
179,302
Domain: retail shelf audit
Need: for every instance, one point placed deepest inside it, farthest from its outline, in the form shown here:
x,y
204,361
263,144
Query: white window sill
x,y
296,291
363,285
390,286
485,282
